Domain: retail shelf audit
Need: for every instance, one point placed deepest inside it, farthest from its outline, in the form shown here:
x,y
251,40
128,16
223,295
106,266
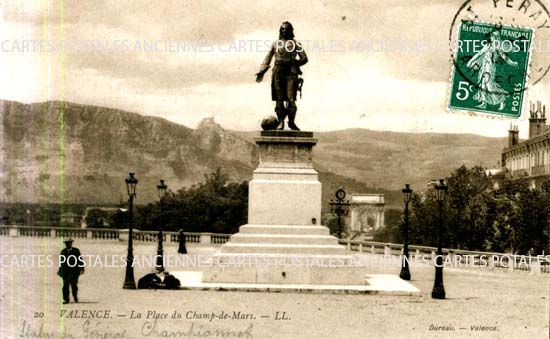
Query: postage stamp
x,y
490,68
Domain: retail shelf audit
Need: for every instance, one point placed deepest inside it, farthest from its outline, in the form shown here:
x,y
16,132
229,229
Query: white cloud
x,y
387,90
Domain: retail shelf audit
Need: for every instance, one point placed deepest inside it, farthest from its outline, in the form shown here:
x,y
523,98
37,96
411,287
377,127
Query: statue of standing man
x,y
285,80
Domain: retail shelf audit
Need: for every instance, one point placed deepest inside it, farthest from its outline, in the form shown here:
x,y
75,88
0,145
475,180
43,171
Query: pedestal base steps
x,y
283,239
386,284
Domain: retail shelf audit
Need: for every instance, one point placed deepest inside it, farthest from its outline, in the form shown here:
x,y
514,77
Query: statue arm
x,y
267,60
265,64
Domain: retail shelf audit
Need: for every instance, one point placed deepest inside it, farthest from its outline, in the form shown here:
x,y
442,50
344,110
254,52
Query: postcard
x,y
274,169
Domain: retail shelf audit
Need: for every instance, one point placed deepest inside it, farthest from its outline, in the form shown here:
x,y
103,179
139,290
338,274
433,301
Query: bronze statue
x,y
285,80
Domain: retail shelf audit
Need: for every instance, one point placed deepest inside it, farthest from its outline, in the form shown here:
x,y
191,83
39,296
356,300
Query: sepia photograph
x,y
274,169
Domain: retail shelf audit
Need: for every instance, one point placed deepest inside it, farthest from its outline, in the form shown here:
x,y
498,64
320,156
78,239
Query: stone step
x,y
283,248
316,274
284,229
247,238
280,259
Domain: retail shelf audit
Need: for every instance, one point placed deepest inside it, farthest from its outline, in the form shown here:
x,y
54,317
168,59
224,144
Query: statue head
x,y
286,31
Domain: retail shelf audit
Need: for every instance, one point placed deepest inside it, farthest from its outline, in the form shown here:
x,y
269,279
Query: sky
x,y
188,60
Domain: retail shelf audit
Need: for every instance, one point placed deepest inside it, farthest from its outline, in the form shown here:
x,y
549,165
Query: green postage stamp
x,y
490,70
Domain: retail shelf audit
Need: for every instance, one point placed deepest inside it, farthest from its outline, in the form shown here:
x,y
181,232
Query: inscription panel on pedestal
x,y
288,153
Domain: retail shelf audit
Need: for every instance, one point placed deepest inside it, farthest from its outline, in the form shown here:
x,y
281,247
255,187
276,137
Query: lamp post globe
x,y
129,281
161,187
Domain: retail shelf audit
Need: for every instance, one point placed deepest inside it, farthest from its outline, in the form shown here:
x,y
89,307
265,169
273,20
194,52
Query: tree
x,y
534,220
120,219
512,219
96,217
469,195
423,220
214,205
393,232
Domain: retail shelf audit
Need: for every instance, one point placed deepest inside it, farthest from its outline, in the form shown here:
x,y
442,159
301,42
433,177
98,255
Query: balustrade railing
x,y
460,258
220,238
110,234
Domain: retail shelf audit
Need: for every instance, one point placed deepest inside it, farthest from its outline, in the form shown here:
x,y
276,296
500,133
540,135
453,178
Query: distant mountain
x,y
388,160
95,148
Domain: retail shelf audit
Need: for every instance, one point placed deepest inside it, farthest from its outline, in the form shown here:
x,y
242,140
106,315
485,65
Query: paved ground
x,y
514,305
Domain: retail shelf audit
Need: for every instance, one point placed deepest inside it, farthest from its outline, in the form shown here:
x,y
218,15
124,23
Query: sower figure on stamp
x,y
285,80
71,266
485,62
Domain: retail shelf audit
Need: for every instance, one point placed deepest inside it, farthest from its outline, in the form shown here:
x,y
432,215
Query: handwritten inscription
x,y
90,329
94,330
153,329
98,324
28,331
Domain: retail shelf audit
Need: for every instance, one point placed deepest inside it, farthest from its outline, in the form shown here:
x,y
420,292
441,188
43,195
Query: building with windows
x,y
529,158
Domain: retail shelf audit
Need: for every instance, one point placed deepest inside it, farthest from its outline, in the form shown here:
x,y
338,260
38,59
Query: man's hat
x,y
69,239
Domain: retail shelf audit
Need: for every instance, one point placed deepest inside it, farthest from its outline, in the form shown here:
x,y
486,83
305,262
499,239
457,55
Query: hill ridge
x,y
101,145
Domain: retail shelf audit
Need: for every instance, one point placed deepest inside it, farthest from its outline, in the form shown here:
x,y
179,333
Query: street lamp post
x,y
339,207
129,282
438,291
405,274
162,192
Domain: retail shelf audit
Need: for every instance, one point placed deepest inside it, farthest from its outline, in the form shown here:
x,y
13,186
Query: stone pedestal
x,y
283,233
285,189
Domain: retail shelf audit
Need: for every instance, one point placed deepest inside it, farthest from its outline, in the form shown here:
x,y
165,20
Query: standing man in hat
x,y
71,266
